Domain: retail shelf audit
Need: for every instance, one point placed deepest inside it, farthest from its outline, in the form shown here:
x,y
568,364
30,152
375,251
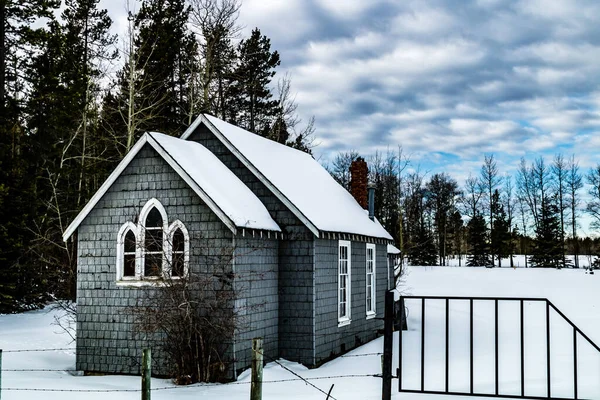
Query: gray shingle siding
x,y
257,305
296,261
105,336
332,339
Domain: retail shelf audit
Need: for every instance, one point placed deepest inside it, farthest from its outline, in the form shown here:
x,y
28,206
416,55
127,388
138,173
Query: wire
x,y
295,374
33,350
199,385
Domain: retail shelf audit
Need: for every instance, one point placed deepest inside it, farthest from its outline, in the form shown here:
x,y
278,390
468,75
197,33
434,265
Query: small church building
x,y
323,258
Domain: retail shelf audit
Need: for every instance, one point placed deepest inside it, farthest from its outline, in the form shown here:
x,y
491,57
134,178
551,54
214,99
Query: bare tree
x,y
135,113
340,167
191,315
471,196
490,180
593,205
574,183
215,25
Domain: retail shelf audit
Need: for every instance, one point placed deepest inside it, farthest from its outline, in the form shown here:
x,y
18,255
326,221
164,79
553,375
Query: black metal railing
x,y
496,300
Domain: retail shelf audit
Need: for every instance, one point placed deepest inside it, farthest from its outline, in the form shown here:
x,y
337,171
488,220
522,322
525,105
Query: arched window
x,y
179,254
153,225
127,251
129,254
152,249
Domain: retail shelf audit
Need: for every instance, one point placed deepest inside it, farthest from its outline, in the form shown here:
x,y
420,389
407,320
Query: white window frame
x,y
150,204
371,313
126,227
345,319
177,224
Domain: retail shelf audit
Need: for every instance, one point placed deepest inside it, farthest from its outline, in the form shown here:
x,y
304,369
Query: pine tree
x,y
422,251
479,253
253,102
501,236
547,249
20,280
63,123
169,53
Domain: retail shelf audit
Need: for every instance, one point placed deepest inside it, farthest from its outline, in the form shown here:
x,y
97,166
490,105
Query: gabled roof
x,y
297,179
227,196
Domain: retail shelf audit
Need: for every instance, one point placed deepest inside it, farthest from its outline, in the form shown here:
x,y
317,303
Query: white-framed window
x,y
179,250
127,251
370,267
152,249
154,245
344,282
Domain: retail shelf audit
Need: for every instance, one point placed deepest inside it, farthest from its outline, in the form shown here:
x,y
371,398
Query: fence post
x,y
257,369
146,373
388,340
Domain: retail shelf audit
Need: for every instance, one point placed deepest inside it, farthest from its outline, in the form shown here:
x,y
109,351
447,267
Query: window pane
x,y
154,219
129,265
178,240
153,265
129,242
154,239
177,267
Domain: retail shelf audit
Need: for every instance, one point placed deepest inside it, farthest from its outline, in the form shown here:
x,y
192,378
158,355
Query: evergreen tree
x,y
169,53
547,248
63,123
215,22
479,254
252,100
20,280
456,234
422,251
501,236
441,192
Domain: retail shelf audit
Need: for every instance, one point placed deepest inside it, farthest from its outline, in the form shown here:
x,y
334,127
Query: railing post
x,y
549,377
146,373
399,370
0,373
388,340
257,369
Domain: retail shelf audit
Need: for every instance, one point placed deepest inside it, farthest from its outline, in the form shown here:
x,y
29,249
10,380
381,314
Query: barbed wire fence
x,y
295,377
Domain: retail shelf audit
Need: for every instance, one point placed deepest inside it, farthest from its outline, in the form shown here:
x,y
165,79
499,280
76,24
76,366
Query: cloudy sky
x,y
448,80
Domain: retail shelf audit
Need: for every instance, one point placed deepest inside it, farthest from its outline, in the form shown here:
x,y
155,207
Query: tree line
x,y
74,98
490,217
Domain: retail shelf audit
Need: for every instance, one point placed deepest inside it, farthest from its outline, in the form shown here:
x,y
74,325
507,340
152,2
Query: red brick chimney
x,y
359,178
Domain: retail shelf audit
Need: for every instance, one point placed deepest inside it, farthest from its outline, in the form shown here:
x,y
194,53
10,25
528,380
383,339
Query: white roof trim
x,y
291,206
146,138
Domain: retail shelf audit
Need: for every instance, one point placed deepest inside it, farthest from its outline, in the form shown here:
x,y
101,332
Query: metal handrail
x,y
549,305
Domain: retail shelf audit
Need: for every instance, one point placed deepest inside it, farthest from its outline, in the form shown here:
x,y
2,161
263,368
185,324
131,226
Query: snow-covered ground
x,y
572,291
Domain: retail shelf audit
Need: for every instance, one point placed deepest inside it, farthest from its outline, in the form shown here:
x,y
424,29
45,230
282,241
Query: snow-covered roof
x,y
220,184
227,196
391,249
297,179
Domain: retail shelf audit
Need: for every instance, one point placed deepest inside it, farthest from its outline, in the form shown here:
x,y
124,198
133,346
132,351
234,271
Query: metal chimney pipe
x,y
371,189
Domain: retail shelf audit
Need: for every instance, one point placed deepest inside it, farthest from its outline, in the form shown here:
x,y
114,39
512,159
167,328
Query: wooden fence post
x,y
146,373
388,340
257,369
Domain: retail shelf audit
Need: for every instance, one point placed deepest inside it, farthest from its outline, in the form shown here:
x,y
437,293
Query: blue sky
x,y
448,80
